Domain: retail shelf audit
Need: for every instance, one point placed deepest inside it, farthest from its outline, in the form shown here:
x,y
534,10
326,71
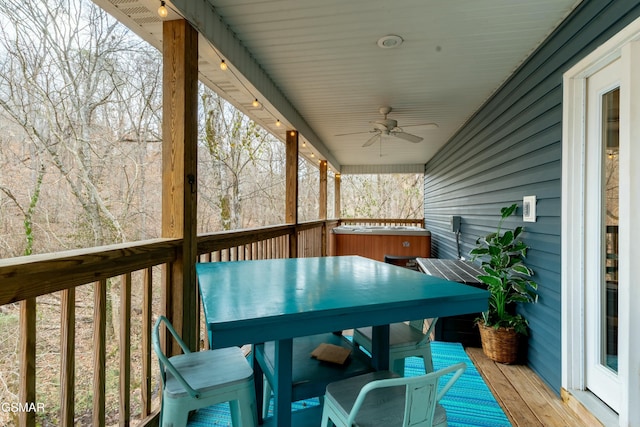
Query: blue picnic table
x,y
252,302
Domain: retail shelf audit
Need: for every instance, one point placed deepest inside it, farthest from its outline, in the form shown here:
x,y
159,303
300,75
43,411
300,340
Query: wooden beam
x,y
336,181
322,214
291,216
323,206
291,204
35,275
179,173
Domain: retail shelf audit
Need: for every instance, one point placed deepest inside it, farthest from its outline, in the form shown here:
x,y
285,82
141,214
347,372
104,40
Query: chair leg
x,y
266,397
236,415
243,410
174,416
325,418
427,360
397,366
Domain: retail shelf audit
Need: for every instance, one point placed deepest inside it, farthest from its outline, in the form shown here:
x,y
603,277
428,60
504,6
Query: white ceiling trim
x,y
381,169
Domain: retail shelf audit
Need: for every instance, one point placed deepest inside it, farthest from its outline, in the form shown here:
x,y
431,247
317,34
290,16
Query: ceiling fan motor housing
x,y
385,125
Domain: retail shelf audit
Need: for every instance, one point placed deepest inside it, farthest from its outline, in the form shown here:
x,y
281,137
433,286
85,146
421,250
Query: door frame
x,y
624,46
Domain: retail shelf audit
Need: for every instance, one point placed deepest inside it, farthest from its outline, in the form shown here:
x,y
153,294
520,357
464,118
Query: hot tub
x,y
377,241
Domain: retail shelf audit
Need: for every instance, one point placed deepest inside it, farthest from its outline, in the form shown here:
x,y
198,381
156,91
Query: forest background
x,y
80,165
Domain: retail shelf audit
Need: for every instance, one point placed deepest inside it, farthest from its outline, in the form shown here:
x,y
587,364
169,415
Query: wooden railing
x,y
284,241
382,222
129,267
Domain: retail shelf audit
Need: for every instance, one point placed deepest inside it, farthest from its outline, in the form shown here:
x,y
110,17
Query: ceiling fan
x,y
386,126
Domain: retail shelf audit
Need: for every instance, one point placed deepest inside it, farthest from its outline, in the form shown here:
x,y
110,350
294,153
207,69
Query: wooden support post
x,y
322,214
336,202
179,174
291,215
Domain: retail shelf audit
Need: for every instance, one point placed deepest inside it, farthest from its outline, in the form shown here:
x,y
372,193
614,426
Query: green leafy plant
x,y
506,276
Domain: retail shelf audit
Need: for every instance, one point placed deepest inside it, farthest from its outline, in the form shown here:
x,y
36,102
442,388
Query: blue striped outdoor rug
x,y
469,403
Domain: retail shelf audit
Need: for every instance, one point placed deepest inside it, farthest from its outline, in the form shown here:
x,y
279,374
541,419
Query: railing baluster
x,y
67,356
99,351
27,360
125,350
146,341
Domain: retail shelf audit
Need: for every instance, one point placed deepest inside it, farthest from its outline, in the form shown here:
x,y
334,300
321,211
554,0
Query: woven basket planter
x,y
500,345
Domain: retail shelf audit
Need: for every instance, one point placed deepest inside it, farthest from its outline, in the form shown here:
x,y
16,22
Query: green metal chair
x,y
384,399
405,340
195,380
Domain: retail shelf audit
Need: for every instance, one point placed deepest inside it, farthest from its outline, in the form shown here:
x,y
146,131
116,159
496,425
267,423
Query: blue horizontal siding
x,y
512,147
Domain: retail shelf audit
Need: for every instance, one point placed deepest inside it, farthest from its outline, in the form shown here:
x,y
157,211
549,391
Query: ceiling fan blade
x,y
424,125
371,140
407,137
352,133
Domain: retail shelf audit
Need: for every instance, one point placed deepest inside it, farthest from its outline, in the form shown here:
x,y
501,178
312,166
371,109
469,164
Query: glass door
x,y
602,218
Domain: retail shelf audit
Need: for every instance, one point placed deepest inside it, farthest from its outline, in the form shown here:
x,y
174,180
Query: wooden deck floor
x,y
525,398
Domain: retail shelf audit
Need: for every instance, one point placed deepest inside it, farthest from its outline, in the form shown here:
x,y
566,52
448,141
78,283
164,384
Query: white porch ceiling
x,y
316,66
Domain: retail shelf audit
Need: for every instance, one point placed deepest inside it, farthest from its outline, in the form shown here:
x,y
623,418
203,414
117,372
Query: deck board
x,y
525,399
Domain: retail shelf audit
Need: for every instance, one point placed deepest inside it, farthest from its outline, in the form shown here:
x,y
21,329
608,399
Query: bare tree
x,y
237,170
64,82
382,196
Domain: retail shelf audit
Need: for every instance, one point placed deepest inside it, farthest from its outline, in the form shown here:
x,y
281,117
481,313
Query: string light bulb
x,y
162,10
223,65
292,133
304,143
278,124
255,103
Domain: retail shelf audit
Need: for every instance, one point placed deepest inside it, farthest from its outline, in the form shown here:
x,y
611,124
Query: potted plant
x,y
509,282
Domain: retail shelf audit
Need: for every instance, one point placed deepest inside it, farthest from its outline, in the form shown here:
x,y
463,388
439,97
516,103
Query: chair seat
x,y
383,407
310,377
399,334
405,340
207,370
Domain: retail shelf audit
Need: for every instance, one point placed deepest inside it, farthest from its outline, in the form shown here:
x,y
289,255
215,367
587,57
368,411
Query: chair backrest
x,y
419,326
165,363
421,395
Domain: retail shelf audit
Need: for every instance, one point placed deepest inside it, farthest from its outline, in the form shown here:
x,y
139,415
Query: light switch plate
x,y
529,208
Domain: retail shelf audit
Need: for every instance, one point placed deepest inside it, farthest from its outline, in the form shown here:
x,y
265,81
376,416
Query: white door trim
x,y
624,46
